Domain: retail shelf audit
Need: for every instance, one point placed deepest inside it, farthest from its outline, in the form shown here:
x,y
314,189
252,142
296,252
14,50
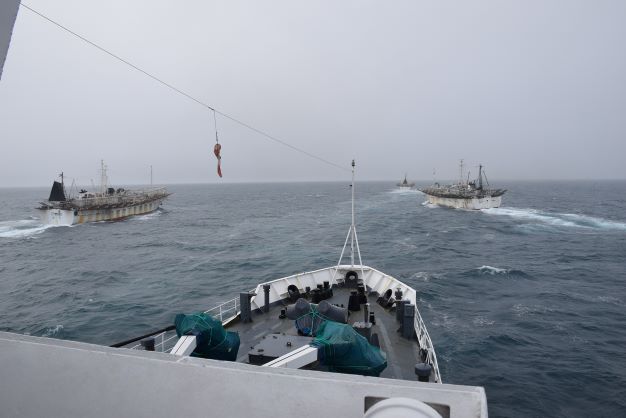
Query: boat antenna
x,y
486,179
62,183
352,236
103,177
461,171
352,224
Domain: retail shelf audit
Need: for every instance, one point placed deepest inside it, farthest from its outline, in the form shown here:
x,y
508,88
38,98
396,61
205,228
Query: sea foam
x,y
22,228
567,220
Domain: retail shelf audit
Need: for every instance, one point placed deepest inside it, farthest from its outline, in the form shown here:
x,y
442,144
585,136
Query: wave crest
x,y
557,219
495,271
22,228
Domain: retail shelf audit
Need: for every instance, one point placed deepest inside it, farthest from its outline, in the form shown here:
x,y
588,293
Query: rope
x,y
187,95
215,124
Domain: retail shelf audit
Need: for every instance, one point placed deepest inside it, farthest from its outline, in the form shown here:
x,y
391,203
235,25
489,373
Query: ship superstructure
x,y
107,204
465,194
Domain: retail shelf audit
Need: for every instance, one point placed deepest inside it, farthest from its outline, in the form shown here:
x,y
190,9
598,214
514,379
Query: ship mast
x,y
461,171
352,228
480,177
352,236
63,184
103,177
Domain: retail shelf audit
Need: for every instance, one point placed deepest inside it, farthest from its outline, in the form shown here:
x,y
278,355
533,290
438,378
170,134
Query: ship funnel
x,y
57,194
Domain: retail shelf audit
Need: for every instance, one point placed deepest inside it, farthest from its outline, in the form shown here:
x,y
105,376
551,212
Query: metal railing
x,y
225,311
426,343
166,340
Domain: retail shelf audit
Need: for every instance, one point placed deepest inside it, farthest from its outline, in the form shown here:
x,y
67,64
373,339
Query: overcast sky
x,y
530,89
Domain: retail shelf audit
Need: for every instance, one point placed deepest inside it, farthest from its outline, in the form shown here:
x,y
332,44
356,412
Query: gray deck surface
x,y
402,354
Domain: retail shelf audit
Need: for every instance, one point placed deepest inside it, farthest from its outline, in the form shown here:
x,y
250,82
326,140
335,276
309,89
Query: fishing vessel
x,y
404,184
107,204
465,194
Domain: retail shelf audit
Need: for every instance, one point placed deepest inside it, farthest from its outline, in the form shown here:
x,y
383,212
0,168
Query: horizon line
x,y
447,181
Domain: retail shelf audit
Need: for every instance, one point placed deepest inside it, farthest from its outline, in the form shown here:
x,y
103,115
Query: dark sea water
x,y
528,300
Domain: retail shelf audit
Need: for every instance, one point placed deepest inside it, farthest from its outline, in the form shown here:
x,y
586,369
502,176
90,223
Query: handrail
x,y
225,311
426,343
230,306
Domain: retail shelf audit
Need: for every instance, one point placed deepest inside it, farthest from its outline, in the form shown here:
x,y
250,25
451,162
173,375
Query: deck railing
x,y
225,311
165,341
426,344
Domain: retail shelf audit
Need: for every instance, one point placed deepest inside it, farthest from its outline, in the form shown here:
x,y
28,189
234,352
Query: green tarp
x,y
212,340
346,351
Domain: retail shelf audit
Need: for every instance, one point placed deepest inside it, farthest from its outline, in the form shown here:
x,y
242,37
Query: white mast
x,y
352,228
102,177
352,236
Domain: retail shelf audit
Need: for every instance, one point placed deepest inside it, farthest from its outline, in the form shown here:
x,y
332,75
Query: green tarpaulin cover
x,y
346,351
212,340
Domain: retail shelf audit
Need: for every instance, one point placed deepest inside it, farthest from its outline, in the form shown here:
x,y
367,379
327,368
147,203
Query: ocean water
x,y
527,300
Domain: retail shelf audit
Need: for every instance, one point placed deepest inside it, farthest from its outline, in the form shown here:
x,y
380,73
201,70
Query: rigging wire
x,y
215,124
179,91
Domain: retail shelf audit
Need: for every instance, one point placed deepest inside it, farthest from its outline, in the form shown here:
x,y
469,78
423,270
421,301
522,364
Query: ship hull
x,y
486,202
61,217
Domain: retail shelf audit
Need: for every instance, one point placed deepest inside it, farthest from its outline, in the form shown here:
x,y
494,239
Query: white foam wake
x,y
148,216
558,219
21,229
491,270
404,190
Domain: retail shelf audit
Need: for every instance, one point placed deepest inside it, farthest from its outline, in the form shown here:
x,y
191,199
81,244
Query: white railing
x,y
426,344
381,282
225,311
165,341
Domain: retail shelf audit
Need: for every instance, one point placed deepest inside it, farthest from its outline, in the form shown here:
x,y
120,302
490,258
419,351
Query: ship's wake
x,y
555,219
22,228
405,190
150,215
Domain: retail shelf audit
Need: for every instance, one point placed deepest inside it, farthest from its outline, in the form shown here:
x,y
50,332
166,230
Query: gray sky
x,y
532,89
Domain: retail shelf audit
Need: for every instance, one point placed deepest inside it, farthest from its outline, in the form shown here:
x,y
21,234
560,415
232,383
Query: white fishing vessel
x,y
107,204
405,184
465,194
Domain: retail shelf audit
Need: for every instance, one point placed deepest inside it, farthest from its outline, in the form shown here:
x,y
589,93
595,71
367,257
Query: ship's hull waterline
x,y
67,217
476,203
